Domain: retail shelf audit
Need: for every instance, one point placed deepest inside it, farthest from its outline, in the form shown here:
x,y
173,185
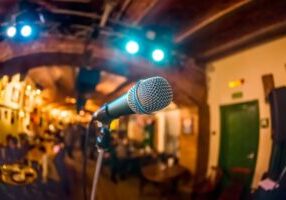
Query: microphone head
x,y
150,95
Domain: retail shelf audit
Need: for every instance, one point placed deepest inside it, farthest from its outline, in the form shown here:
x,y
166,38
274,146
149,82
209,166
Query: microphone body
x,y
145,97
113,110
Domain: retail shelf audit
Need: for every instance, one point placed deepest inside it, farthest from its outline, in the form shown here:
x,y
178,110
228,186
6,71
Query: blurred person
x,y
113,160
47,133
120,159
24,144
149,129
58,136
49,171
121,148
62,168
69,134
2,153
12,153
82,139
44,163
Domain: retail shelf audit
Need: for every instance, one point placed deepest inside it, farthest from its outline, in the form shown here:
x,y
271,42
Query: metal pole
x,y
96,173
281,175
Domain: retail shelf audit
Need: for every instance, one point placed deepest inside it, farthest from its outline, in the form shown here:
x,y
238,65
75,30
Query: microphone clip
x,y
103,138
102,115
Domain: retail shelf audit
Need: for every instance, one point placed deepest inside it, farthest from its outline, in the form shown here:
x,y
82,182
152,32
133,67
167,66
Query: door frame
x,y
223,108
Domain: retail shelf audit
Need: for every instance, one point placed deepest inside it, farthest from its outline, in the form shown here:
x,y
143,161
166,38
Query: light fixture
x,y
235,83
11,31
38,91
21,114
132,47
26,31
29,87
64,114
158,55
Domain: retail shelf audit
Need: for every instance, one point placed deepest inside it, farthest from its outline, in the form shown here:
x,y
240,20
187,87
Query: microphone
x,y
145,97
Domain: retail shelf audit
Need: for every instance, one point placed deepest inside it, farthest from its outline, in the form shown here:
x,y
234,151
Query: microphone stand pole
x,y
102,144
96,173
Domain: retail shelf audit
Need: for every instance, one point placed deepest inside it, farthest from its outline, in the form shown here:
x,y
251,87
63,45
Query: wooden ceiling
x,y
200,31
211,29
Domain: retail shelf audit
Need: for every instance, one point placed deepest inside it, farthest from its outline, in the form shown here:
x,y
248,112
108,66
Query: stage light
x,y
11,31
26,31
132,47
158,55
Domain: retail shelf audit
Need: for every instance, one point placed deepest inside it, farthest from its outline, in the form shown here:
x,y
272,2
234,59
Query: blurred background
x,y
222,137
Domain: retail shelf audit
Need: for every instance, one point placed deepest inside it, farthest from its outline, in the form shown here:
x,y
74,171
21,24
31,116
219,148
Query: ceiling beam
x,y
262,35
75,1
145,12
53,8
210,19
123,8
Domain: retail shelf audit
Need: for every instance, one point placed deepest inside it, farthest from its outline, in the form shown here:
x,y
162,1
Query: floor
x,y
127,189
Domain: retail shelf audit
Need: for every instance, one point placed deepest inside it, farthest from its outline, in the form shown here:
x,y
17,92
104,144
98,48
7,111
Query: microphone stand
x,y
96,173
102,144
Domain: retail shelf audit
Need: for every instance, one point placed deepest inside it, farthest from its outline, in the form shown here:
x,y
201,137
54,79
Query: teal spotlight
x,y
11,31
26,31
158,55
132,47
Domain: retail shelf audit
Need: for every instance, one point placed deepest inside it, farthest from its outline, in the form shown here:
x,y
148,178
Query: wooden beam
x,y
203,143
210,19
75,1
145,12
56,10
123,8
254,38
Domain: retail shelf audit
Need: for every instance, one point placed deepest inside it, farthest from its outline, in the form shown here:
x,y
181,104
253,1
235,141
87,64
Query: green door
x,y
239,141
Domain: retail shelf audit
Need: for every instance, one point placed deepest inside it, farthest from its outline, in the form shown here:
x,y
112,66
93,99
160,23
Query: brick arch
x,y
22,64
188,82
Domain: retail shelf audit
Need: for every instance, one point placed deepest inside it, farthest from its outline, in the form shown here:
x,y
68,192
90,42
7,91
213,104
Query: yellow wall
x,y
12,95
249,65
189,142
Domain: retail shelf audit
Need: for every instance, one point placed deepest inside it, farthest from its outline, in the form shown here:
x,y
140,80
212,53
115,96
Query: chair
x,y
238,179
208,188
185,186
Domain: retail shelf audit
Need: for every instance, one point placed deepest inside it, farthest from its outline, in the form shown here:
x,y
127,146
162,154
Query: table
x,y
164,177
158,174
17,174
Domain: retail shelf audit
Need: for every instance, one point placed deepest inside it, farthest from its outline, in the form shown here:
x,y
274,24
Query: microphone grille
x,y
150,95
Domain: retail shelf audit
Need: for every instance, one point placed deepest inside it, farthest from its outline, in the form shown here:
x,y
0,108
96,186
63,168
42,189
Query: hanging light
x,y
11,31
132,47
26,31
158,55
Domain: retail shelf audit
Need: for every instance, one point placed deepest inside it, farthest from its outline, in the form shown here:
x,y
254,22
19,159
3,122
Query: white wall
x,y
249,65
161,131
168,123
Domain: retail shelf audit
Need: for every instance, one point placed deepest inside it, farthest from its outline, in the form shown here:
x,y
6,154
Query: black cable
x,y
84,166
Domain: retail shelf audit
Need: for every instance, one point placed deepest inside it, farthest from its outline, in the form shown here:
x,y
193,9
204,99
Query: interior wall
x,y
250,65
168,131
185,137
160,132
172,131
14,115
135,129
189,139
